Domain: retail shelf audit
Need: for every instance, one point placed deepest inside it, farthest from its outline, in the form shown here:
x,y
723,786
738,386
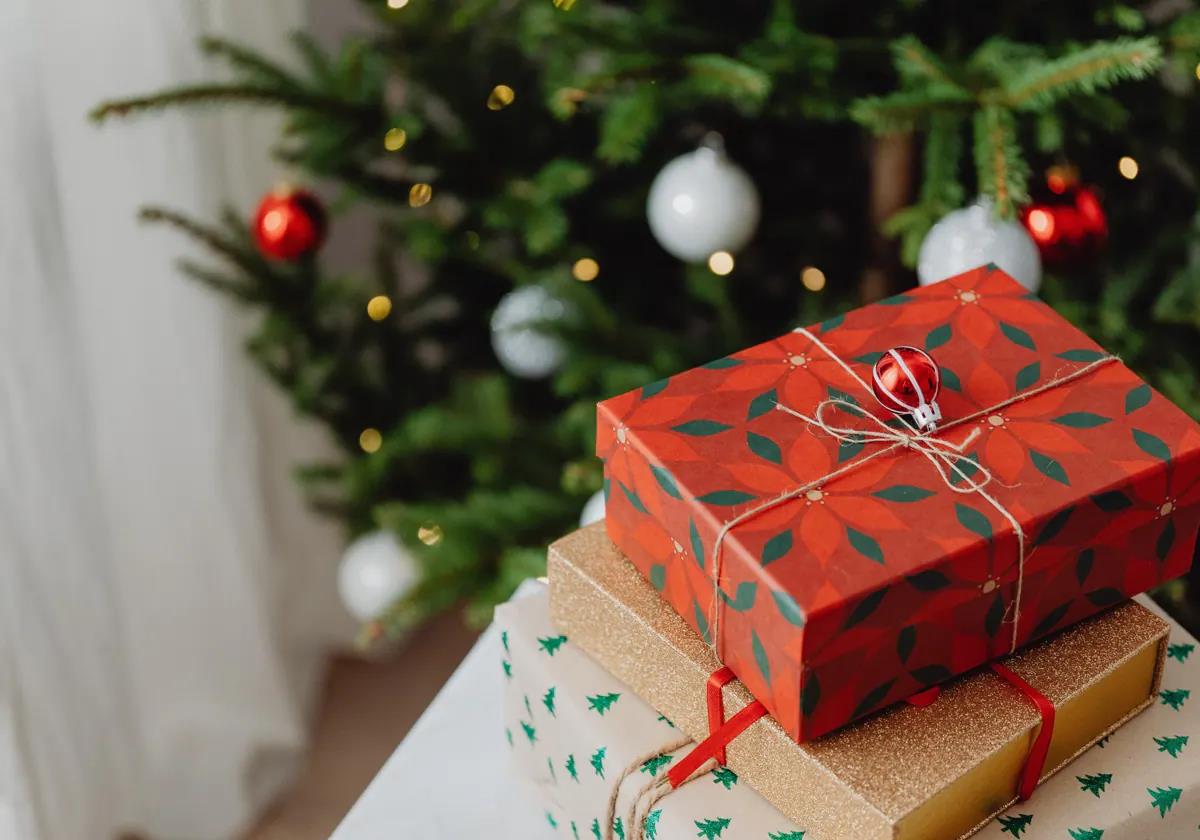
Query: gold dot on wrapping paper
x,y
395,139
585,270
996,420
721,263
1128,167
419,195
379,307
501,97
430,533
564,5
815,495
813,278
370,440
968,296
988,586
1166,508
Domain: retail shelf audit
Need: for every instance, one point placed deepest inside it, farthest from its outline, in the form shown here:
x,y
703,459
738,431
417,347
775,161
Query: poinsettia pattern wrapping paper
x,y
571,728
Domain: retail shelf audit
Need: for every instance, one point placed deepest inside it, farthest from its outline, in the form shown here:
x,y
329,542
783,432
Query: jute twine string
x,y
945,456
610,811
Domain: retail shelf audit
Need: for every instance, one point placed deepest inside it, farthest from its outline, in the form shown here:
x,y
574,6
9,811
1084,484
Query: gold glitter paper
x,y
937,773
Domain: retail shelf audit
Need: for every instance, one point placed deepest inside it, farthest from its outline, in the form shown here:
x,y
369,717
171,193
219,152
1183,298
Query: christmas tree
x,y
506,151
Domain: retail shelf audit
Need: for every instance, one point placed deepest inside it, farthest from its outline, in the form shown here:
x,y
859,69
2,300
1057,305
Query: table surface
x,y
452,777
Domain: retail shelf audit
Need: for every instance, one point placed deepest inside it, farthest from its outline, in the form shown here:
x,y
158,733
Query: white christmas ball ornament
x,y
523,347
974,236
375,571
701,203
593,511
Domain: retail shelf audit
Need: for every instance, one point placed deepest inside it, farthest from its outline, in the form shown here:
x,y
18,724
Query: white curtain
x,y
164,597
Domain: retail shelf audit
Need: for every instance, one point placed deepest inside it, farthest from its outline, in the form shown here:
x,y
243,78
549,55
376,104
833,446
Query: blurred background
x,y
308,306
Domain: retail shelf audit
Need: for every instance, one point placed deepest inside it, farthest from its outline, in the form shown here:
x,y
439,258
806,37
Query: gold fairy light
x,y
420,195
1198,71
500,98
564,5
813,278
395,139
379,307
720,263
430,533
1128,167
397,4
585,270
370,440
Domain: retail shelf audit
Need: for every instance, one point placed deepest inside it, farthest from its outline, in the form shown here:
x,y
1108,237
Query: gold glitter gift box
x,y
907,773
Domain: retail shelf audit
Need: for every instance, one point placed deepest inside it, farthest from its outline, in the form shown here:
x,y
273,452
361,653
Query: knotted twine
x,y
945,456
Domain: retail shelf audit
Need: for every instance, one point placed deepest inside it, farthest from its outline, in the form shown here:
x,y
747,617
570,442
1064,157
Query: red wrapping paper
x,y
883,581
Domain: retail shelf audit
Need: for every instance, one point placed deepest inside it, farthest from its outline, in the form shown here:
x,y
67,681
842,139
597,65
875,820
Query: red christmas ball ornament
x,y
1066,220
906,380
289,224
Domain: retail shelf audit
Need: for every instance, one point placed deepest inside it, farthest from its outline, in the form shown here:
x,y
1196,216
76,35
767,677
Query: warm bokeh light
x,y
379,307
1041,225
420,195
397,4
586,270
1128,167
813,278
501,97
721,263
395,139
430,533
370,440
565,5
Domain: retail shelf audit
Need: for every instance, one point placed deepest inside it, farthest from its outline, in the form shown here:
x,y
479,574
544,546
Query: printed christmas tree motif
x,y
596,830
601,703
655,764
548,700
551,644
504,641
571,771
1085,833
550,819
508,735
666,720
618,828
530,732
528,709
1172,745
1175,697
724,776
1015,826
1094,784
650,824
711,829
1164,798
786,835
598,761
574,830
553,775
504,663
1181,651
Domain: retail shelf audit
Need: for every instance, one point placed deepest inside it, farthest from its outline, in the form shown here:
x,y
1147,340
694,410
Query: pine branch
x,y
216,94
1001,168
1089,70
918,65
719,76
904,110
207,236
253,66
941,188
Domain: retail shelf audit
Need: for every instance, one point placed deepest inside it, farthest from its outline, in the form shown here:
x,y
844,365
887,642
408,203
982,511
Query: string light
x,y
1041,225
813,278
420,195
585,270
501,97
720,263
379,307
370,440
430,533
1128,167
395,139
397,4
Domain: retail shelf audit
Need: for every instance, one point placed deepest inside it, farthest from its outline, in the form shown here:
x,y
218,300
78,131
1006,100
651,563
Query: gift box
x,y
857,561
934,773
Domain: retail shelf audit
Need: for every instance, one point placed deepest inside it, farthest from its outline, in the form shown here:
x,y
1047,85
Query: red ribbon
x,y
714,743
925,698
716,704
1035,762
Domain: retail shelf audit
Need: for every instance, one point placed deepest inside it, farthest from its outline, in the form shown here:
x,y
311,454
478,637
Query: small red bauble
x,y
906,380
289,224
1066,220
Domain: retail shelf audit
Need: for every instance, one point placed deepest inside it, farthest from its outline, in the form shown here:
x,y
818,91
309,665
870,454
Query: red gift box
x,y
860,564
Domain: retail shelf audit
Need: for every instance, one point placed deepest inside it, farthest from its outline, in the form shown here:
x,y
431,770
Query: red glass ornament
x,y
906,380
1066,220
289,224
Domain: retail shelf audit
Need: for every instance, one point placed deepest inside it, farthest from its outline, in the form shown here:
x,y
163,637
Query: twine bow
x,y
946,457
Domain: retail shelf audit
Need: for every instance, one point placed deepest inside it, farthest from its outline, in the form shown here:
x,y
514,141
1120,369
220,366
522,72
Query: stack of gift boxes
x,y
808,617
